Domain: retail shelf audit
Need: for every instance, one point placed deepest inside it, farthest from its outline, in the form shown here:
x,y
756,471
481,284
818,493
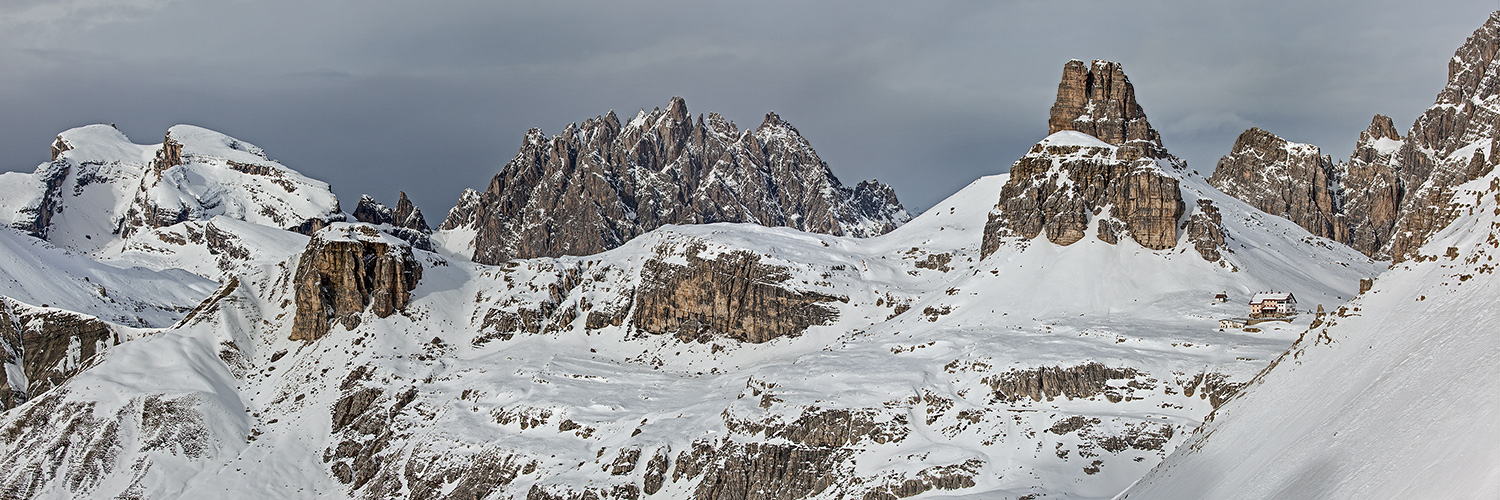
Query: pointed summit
x,y
1099,100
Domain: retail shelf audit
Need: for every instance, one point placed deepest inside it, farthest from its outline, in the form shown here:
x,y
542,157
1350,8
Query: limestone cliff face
x,y
1451,143
1097,99
1371,191
1284,178
347,269
1103,161
733,295
45,347
601,183
1394,192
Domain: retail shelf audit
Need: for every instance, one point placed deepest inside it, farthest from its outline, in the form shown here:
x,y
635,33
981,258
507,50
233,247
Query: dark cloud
x,y
433,97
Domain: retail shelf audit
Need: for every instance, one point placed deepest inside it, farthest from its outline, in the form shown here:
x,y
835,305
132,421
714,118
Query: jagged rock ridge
x,y
1352,202
1394,192
404,221
601,183
404,214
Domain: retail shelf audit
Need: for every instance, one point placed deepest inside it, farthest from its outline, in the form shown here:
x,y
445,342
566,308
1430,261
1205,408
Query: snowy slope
x,y
497,382
35,272
76,200
1393,395
101,187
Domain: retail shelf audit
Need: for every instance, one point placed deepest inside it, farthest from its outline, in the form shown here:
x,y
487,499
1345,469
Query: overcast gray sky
x,y
376,96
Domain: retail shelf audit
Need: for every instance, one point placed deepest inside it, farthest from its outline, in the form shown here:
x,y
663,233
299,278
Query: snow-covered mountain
x,y
192,319
100,188
952,355
1392,395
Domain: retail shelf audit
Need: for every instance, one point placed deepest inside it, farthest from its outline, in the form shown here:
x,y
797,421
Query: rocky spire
x,y
1069,179
1371,191
1098,100
405,215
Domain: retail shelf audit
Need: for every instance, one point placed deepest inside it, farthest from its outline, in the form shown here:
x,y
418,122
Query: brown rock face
x,y
345,269
1060,188
1097,99
1048,382
60,146
1206,230
1069,179
1396,192
734,296
1282,178
599,184
48,346
170,155
1371,189
1451,143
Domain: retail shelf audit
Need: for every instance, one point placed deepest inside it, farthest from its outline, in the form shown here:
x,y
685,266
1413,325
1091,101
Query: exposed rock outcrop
x,y
1205,230
404,215
346,269
733,295
1353,202
1394,192
1097,99
601,183
1102,161
404,221
1371,191
465,213
1451,143
1288,179
1047,382
1065,182
46,347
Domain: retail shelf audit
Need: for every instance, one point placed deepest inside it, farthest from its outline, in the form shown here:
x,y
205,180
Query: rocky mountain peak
x,y
599,184
1450,143
1381,127
1289,179
404,215
1099,100
1102,162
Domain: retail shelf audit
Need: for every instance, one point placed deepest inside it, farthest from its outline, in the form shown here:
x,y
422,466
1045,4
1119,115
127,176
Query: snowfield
x,y
932,352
